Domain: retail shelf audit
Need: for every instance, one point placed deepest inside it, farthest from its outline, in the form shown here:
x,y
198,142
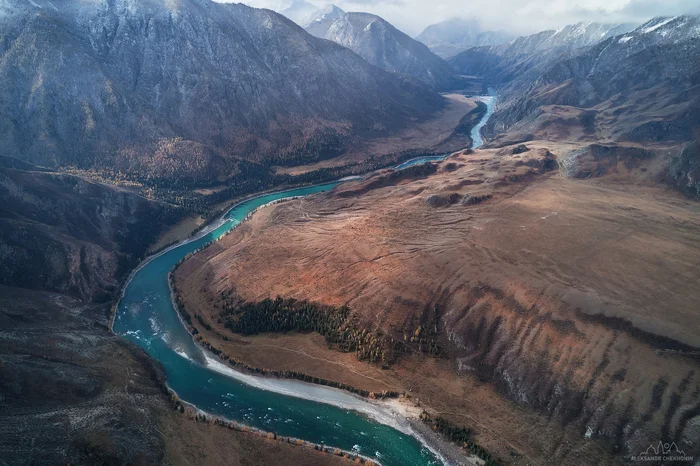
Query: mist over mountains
x,y
455,35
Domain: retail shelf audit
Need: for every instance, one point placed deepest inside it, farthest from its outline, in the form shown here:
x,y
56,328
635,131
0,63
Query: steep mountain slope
x,y
501,63
65,245
641,86
382,45
155,88
65,234
450,37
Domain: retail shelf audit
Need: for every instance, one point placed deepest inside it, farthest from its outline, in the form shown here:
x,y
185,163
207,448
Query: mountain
x,y
64,234
160,90
640,86
66,245
300,11
501,63
318,21
450,37
384,46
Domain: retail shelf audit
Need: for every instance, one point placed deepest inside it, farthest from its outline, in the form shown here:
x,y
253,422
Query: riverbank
x,y
145,316
402,413
189,439
177,233
399,413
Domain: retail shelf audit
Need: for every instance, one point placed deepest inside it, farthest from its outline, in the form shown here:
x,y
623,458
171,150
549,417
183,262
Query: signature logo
x,y
663,452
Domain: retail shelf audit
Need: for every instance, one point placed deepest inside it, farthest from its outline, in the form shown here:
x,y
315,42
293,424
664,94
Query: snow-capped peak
x,y
330,12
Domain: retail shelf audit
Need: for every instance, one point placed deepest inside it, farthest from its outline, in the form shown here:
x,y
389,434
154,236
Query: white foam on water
x,y
326,395
155,326
181,353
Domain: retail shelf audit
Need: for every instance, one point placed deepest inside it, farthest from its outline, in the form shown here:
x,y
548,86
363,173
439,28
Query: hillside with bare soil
x,y
564,305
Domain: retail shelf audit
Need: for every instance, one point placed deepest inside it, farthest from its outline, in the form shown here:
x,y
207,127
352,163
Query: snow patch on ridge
x,y
657,26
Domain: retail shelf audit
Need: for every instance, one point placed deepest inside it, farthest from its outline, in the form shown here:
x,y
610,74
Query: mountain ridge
x,y
639,85
501,63
161,90
381,44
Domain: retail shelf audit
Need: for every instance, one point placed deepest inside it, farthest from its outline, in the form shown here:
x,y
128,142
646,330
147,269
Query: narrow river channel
x,y
146,316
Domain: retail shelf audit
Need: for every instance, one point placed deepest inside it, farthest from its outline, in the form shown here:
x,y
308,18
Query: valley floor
x,y
436,134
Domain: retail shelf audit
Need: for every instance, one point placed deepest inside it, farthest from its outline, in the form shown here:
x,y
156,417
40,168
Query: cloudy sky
x,y
519,16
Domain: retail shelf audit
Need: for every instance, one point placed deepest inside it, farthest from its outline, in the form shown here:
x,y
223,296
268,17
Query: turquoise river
x,y
146,316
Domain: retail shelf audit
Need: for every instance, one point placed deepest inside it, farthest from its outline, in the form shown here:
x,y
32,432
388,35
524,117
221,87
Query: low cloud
x,y
515,16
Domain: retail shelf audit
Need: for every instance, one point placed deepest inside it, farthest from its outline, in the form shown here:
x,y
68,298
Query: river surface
x,y
146,316
475,135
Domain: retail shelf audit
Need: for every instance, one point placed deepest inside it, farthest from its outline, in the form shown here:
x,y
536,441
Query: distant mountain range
x,y
450,37
642,84
384,46
182,91
501,63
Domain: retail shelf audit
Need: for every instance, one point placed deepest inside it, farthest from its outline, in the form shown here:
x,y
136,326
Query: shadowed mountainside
x,y
640,86
183,89
62,233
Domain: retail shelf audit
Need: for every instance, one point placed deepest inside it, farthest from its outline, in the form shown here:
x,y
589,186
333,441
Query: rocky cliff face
x,y
384,46
61,233
685,169
150,87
